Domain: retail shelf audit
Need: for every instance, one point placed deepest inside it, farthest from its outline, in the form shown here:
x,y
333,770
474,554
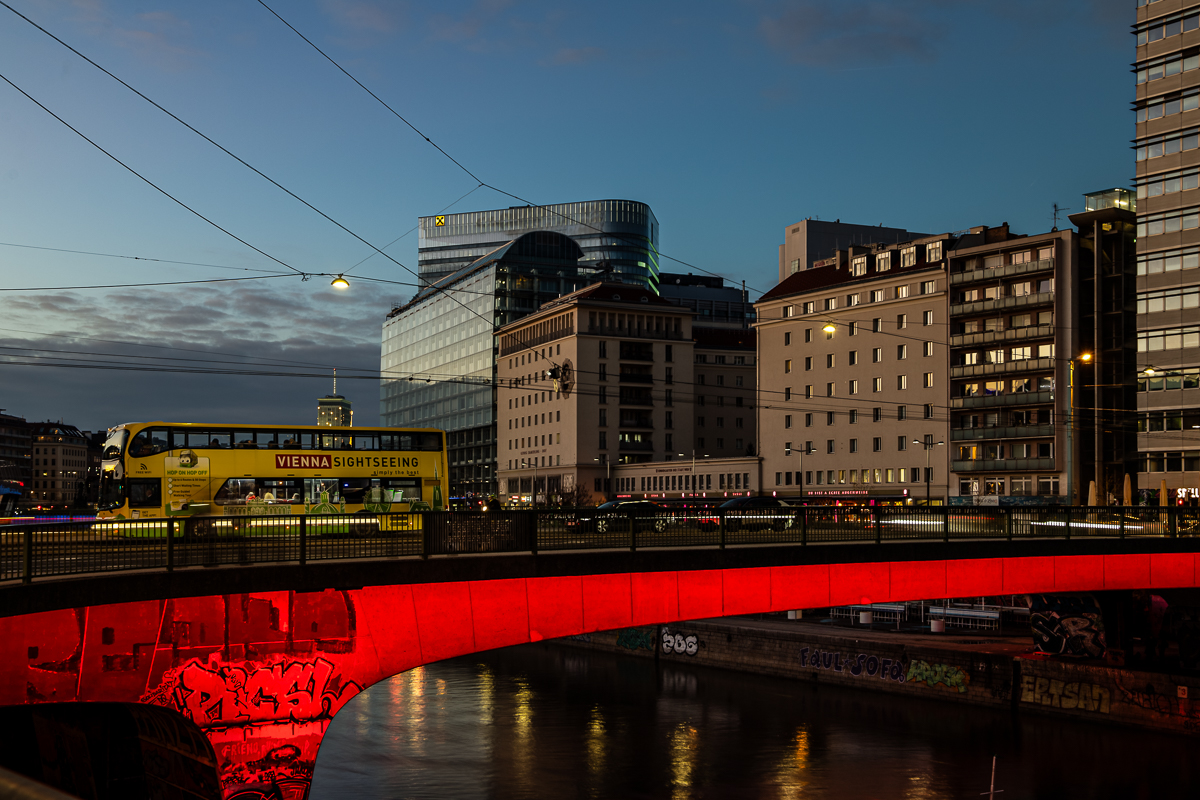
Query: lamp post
x,y
928,444
607,476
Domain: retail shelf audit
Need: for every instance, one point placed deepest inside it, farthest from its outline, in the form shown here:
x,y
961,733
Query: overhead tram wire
x,y
459,164
229,153
131,258
146,180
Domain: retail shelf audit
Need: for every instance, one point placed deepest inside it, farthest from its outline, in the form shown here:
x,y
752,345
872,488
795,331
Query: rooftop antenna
x,y
1057,210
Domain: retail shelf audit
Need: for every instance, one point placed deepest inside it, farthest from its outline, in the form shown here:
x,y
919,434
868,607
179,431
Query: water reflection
x,y
544,721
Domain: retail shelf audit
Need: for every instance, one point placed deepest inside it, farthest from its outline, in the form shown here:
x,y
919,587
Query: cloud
x,y
577,55
852,32
161,38
253,328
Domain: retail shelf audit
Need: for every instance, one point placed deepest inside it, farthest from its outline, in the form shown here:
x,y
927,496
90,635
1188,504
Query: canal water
x,y
547,721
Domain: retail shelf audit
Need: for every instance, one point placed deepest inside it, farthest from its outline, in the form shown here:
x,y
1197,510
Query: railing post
x,y
1173,518
303,539
878,529
721,528
1008,526
945,523
170,545
27,555
632,532
1070,513
804,525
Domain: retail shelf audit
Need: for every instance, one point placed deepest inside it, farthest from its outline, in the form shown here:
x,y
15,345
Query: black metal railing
x,y
32,550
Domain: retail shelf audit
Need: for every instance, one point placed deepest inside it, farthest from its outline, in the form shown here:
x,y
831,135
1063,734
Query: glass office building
x,y
438,352
618,238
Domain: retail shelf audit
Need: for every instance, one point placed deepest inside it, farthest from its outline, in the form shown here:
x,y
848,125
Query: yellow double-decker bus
x,y
207,472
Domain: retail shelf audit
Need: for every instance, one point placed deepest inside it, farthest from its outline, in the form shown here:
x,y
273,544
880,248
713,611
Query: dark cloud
x,y
852,32
255,327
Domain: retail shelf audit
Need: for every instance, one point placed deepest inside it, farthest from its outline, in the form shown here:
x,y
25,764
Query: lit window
x,y
908,256
883,262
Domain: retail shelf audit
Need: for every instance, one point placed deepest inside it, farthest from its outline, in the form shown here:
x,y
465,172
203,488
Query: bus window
x,y
114,446
235,492
270,438
112,490
145,492
429,441
218,439
191,438
354,490
403,490
281,490
315,487
149,442
243,439
307,440
366,441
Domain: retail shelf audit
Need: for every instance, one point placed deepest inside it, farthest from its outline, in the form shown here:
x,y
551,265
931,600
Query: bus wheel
x,y
363,524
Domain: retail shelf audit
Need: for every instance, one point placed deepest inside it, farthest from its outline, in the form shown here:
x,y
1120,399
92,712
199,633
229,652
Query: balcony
x,y
1010,335
1002,304
637,398
992,400
641,421
1009,367
633,333
1011,432
1007,465
632,377
1007,271
643,447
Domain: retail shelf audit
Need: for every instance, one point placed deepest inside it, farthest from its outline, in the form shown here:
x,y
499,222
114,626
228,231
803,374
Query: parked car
x,y
753,513
613,517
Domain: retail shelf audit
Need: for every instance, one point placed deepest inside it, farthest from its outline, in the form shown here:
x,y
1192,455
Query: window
x,y
1020,353
854,329
829,361
830,303
807,363
933,251
789,311
853,387
858,266
603,372
928,381
853,416
927,318
603,349
787,420
877,444
787,393
810,307
830,417
737,381
603,417
877,325
883,261
829,390
787,337
603,440
787,365
853,357
877,355
908,256
901,321
901,381
902,292
670,353
928,287
876,384
808,420
808,391
853,299
808,334
927,349
854,445
720,380
829,445
901,351
929,411
901,442
877,295
877,414
1045,351
901,412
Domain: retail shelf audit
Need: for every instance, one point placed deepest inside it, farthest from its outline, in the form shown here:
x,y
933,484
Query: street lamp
x,y
928,444
607,476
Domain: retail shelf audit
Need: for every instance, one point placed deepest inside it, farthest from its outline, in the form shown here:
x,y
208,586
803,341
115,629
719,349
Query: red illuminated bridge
x,y
261,633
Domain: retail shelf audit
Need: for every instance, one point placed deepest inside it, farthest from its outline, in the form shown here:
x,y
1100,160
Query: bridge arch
x,y
263,673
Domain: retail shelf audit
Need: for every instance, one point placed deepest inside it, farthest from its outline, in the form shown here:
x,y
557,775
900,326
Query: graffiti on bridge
x,y
635,639
679,643
1060,694
857,665
1067,625
938,674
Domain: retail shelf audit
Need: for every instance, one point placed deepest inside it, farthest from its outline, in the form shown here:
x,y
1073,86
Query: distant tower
x,y
333,410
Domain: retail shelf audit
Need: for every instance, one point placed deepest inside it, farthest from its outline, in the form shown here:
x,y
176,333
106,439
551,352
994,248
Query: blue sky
x,y
732,120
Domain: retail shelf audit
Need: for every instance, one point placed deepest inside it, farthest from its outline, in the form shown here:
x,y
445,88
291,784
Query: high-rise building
x,y
333,410
618,239
439,357
1167,152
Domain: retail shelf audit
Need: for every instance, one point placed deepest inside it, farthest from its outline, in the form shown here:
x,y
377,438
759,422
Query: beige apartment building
x,y
852,377
598,378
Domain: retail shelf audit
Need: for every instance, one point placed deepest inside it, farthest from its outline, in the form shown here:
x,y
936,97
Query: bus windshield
x,y
114,446
112,490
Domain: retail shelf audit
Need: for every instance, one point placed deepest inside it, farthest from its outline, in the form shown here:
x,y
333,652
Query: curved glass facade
x,y
623,234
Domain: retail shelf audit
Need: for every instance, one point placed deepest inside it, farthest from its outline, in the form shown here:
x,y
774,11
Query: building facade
x,y
16,446
713,304
618,238
60,462
852,377
438,353
724,421
1167,153
595,379
813,240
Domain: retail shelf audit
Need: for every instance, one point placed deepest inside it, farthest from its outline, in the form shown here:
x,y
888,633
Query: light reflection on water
x,y
548,721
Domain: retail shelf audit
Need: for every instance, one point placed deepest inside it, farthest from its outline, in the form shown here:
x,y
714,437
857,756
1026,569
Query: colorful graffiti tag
x,y
636,639
938,675
1059,694
1067,624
